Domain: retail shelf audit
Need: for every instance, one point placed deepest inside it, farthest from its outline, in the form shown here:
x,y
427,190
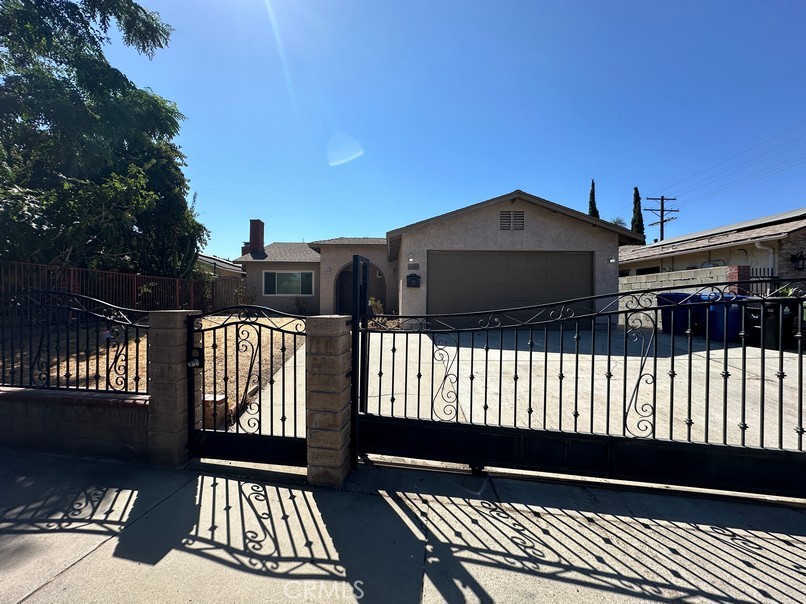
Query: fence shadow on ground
x,y
399,535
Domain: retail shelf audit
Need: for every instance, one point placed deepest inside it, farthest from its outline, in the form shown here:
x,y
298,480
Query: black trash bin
x,y
774,320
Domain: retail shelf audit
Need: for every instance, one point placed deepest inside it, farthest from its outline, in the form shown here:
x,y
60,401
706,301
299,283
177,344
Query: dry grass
x,y
86,358
242,357
97,359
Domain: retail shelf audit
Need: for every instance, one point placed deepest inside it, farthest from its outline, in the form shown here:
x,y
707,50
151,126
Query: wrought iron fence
x,y
61,340
142,292
251,381
762,281
712,365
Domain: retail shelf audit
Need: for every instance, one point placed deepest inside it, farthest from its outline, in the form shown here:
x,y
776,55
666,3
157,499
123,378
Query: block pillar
x,y
168,387
328,412
738,273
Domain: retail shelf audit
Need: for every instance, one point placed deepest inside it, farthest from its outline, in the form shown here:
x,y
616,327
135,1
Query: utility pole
x,y
661,212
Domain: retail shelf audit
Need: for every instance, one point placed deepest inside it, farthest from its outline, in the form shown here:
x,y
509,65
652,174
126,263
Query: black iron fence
x,y
62,340
248,379
713,365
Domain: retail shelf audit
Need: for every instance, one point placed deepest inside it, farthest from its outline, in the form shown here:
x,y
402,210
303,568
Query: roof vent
x,y
511,220
517,220
505,220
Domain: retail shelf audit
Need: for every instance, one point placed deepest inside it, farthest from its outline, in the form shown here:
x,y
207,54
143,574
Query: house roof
x,y
220,263
282,252
625,235
348,241
768,228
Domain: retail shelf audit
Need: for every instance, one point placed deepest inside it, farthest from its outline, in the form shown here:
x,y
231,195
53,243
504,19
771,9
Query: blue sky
x,y
355,117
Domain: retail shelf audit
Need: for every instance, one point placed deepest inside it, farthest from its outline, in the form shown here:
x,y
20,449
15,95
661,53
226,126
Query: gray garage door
x,y
472,281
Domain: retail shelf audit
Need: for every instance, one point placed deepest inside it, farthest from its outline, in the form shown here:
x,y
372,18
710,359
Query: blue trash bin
x,y
726,331
672,307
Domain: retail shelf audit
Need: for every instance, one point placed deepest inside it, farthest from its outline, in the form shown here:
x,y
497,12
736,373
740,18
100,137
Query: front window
x,y
288,283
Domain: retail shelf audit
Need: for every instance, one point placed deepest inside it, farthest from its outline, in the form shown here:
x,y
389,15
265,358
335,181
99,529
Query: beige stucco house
x,y
509,251
767,245
283,276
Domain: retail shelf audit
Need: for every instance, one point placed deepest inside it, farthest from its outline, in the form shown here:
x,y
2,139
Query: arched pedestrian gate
x,y
701,389
247,385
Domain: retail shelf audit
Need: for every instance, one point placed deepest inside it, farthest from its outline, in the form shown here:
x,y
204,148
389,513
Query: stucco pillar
x,y
328,411
168,387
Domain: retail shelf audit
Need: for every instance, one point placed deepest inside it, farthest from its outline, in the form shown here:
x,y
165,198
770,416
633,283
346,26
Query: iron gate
x,y
246,375
702,389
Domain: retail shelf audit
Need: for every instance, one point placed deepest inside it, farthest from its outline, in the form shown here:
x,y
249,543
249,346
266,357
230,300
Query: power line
x,y
718,189
661,212
732,157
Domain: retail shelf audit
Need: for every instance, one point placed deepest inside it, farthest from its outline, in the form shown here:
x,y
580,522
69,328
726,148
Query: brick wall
x,y
790,246
82,422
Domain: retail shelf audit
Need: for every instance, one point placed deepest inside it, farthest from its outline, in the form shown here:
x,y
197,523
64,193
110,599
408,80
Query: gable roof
x,y
767,228
348,241
282,252
625,236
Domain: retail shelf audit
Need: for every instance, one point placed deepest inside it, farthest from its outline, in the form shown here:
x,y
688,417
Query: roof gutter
x,y
704,248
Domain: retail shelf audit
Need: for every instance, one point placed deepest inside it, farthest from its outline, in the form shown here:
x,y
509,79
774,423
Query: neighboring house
x,y
509,251
220,267
767,245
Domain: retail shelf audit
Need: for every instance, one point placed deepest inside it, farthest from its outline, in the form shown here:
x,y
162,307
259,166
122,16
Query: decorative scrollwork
x,y
614,306
251,315
445,405
639,416
65,340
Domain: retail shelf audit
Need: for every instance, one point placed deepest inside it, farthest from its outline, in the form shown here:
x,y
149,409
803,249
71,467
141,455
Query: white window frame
x,y
276,272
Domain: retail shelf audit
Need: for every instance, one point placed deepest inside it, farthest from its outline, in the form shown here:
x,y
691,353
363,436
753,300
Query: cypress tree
x,y
592,210
637,218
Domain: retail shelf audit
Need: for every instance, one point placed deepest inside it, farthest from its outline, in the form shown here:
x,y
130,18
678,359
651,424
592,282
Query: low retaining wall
x,y
683,280
84,422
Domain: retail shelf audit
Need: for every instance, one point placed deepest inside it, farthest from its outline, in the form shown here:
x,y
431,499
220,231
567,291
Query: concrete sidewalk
x,y
86,530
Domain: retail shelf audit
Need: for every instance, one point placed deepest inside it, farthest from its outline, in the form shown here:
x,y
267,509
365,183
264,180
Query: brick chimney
x,y
255,243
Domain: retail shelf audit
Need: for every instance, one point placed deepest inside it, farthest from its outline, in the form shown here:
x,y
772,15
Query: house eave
x,y
696,250
625,236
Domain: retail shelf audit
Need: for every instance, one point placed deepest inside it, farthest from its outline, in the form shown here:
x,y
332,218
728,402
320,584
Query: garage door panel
x,y
478,281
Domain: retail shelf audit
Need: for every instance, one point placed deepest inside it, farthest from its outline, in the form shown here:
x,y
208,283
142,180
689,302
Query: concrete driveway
x,y
634,384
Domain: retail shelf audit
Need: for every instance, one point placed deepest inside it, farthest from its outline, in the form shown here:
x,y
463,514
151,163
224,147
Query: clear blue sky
x,y
352,118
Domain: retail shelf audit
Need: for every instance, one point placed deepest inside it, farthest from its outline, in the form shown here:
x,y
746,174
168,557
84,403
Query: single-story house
x,y
283,276
768,245
509,251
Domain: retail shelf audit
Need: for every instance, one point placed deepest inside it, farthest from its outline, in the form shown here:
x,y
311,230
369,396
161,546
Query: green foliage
x,y
89,174
245,294
619,221
592,209
637,217
376,305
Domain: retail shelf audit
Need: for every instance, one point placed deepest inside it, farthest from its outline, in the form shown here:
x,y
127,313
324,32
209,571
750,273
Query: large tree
x,y
592,209
89,172
637,224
